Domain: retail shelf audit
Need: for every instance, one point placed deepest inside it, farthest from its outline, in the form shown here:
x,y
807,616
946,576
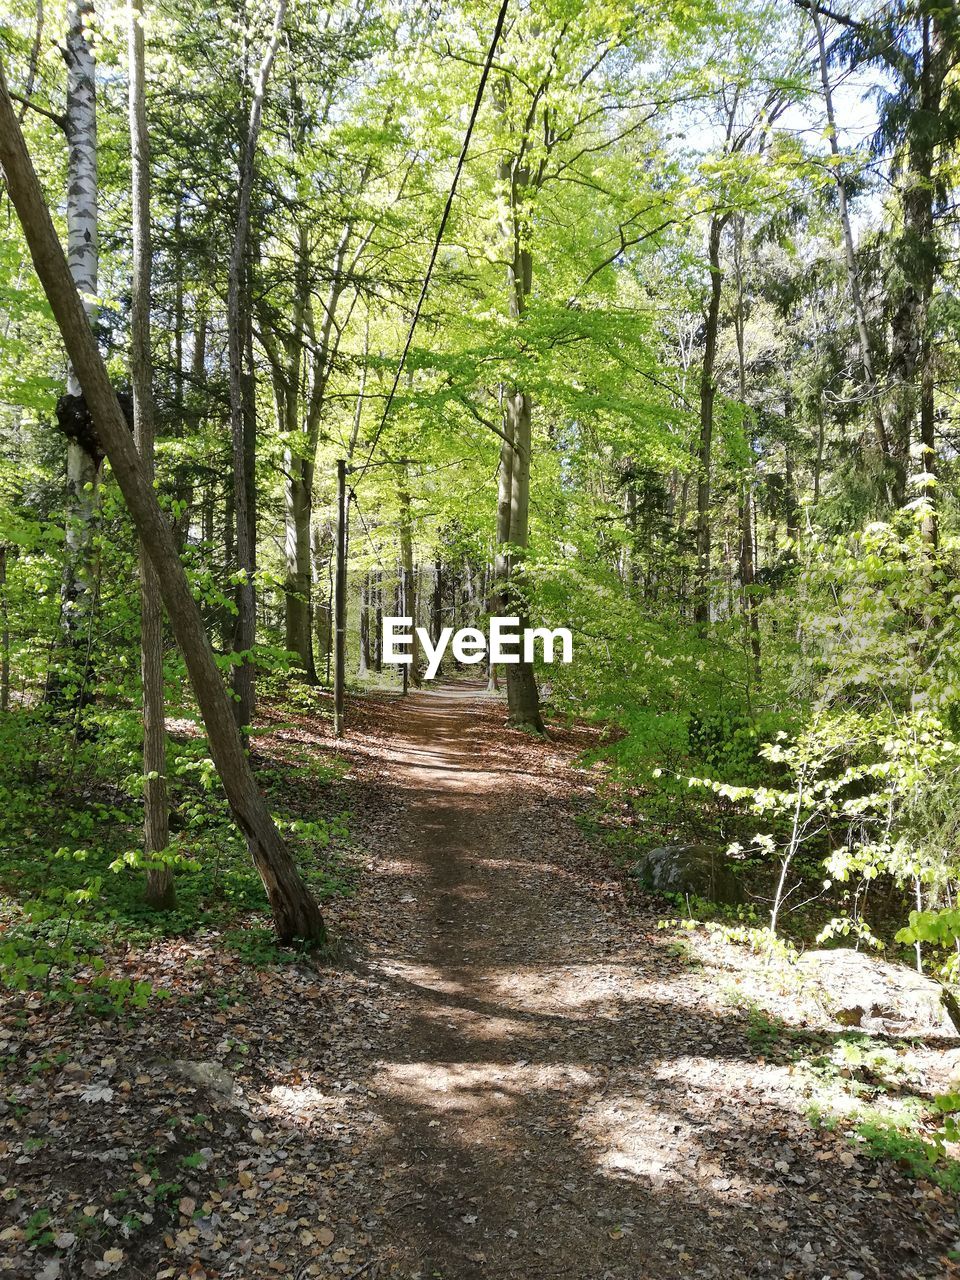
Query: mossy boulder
x,y
695,869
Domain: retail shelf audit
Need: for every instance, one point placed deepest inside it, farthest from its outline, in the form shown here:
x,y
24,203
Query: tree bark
x,y
298,582
911,351
436,610
366,590
160,892
513,498
83,470
708,390
242,430
296,914
298,470
302,442
410,598
4,634
748,604
853,277
378,622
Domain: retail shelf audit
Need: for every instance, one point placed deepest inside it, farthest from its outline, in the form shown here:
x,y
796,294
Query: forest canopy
x,y
637,320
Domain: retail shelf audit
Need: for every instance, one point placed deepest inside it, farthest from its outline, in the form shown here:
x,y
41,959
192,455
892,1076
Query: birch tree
x,y
83,465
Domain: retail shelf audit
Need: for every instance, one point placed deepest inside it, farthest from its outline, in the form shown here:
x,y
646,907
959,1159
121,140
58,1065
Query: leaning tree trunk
x,y
78,599
160,891
296,914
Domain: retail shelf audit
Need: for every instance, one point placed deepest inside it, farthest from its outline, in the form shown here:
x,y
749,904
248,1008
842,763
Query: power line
x,y
369,536
498,31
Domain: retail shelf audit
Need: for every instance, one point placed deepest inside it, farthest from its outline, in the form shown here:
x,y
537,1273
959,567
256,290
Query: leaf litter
x,y
508,1073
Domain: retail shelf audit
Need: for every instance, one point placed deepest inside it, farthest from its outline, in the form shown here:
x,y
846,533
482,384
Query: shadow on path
x,y
563,1099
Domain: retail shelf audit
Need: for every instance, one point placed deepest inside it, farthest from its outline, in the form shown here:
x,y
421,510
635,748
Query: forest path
x,y
513,1075
564,1095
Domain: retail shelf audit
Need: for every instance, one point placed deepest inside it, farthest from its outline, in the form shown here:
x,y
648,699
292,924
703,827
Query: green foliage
x,y
868,785
920,1158
67,904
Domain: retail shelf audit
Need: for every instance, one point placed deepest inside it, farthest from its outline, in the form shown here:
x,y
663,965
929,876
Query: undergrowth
x,y
72,872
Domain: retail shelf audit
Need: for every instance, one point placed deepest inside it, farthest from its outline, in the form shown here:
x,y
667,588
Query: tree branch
x,y
58,120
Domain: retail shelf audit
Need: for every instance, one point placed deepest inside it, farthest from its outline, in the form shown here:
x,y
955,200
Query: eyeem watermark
x,y
507,643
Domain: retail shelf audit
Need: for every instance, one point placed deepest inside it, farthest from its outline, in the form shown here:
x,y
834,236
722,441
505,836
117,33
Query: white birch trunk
x,y
83,472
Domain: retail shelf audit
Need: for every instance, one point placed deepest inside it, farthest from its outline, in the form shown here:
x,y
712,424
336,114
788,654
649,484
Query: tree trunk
x,y
192,417
298,469
160,891
497,597
853,278
748,604
436,609
523,696
296,914
513,498
4,634
365,593
83,469
322,557
410,601
242,410
298,583
303,442
701,607
911,351
818,460
791,505
378,622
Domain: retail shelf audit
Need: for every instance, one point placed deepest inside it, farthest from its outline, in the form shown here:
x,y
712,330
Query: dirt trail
x,y
517,1077
564,1097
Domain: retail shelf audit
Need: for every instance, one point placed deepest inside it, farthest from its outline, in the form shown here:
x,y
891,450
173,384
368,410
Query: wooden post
x,y
340,600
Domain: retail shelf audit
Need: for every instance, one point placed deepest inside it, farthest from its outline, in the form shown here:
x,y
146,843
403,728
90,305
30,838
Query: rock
x,y
689,868
858,990
209,1075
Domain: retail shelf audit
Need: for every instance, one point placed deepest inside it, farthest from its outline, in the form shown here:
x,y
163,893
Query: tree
x,y
242,395
160,888
83,465
853,275
917,43
295,913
